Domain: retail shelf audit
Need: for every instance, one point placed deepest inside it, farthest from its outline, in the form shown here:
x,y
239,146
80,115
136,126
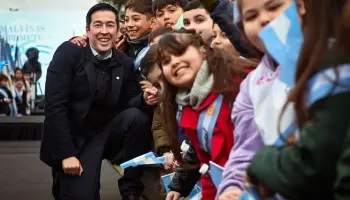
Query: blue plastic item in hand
x,y
216,173
196,193
145,159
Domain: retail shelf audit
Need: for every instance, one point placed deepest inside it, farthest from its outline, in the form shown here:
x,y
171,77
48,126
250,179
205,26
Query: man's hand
x,y
80,40
150,96
172,195
145,84
231,194
72,166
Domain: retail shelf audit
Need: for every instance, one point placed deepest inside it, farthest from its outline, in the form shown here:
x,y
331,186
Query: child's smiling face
x,y
136,24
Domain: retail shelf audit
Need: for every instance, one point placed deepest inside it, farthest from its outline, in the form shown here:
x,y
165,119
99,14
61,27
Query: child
x,y
261,97
197,18
138,25
6,97
223,12
167,12
220,41
195,81
162,142
184,179
307,168
20,96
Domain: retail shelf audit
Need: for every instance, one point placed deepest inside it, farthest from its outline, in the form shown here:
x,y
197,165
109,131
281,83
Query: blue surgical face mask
x,y
283,39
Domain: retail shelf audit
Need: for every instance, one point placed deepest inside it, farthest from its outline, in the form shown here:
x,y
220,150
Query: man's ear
x,y
301,7
87,30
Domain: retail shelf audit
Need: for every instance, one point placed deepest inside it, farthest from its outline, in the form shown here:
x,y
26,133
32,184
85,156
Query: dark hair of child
x,y
158,32
160,4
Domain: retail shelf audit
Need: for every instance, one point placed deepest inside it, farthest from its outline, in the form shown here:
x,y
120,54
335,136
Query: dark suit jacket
x,y
69,92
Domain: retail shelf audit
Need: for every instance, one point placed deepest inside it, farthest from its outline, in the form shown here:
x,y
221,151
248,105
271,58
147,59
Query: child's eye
x,y
199,20
250,17
223,35
159,14
165,61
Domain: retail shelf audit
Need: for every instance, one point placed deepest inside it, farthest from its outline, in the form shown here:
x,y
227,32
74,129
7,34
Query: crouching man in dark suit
x,y
93,111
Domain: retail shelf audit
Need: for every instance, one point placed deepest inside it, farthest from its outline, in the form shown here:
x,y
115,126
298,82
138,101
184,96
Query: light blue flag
x,y
283,39
216,173
196,193
236,16
180,22
141,54
2,64
145,159
331,81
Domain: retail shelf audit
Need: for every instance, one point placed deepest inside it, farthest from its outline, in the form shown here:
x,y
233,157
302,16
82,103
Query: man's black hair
x,y
194,4
101,7
160,4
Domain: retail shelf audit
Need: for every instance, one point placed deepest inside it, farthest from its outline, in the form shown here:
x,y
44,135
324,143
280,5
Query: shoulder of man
x,y
70,50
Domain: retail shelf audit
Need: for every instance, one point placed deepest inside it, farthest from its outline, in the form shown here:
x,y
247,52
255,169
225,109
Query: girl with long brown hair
x,y
204,81
261,98
307,168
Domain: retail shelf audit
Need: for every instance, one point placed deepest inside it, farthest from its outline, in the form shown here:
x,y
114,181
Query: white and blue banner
x,y
283,39
146,159
216,173
44,30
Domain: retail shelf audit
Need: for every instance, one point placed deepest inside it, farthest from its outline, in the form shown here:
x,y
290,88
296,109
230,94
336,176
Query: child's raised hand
x,y
150,96
145,84
172,195
80,40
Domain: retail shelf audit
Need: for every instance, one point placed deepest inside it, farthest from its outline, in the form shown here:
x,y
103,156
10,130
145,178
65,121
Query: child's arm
x,y
221,11
185,179
247,141
162,141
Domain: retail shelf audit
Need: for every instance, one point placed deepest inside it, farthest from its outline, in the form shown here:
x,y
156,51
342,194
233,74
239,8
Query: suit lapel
x,y
117,76
91,75
90,71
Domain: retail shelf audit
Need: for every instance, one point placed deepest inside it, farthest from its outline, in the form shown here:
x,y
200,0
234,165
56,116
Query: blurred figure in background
x,y
32,66
21,96
5,96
